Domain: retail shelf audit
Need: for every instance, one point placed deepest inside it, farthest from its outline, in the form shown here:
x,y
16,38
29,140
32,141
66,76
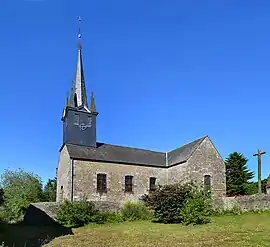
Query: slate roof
x,y
113,153
129,155
182,154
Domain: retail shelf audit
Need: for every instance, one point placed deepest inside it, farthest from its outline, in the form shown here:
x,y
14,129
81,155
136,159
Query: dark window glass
x,y
102,183
76,119
128,183
152,183
207,182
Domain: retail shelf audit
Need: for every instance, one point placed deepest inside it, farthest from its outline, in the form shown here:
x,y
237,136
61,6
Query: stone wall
x,y
64,185
85,180
41,213
207,161
44,213
246,203
204,161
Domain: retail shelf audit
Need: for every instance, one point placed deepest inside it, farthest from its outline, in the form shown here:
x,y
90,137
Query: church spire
x,y
78,94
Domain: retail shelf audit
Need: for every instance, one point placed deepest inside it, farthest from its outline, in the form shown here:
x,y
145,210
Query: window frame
x,y
128,184
101,183
207,181
152,187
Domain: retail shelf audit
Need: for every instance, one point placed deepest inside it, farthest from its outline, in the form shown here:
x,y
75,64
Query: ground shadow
x,y
36,230
16,235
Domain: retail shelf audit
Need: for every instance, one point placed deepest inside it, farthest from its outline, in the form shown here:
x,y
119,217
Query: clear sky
x,y
164,72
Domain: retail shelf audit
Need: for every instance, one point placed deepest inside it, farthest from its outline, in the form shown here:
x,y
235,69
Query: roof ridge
x,y
187,143
143,149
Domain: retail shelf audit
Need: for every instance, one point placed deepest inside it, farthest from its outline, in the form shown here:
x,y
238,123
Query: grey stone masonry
x,y
77,178
247,203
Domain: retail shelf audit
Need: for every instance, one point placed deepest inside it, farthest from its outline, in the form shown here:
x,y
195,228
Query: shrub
x,y
135,211
197,208
113,217
75,214
98,218
167,200
235,210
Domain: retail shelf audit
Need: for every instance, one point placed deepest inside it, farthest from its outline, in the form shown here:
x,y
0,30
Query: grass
x,y
244,230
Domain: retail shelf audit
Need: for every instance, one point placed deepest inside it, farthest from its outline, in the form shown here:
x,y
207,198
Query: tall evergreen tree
x,y
237,174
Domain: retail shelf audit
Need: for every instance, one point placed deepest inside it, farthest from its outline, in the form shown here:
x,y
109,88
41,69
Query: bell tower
x,y
79,120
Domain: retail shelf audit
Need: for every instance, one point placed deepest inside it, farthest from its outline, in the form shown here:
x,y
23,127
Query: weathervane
x,y
79,31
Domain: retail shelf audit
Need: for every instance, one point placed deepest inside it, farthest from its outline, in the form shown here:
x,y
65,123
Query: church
x,y
107,172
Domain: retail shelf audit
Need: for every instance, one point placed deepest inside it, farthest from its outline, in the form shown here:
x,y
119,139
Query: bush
x,y
135,211
75,214
197,208
235,210
112,217
167,200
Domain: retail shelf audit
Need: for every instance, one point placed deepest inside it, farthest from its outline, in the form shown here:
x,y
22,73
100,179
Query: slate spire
x,y
78,93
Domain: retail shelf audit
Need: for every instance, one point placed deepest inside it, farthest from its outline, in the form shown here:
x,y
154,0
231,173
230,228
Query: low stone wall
x,y
41,213
246,203
44,213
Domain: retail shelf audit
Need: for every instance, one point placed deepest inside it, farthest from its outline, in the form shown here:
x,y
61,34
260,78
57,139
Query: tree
x,y
252,187
50,191
1,196
237,174
20,189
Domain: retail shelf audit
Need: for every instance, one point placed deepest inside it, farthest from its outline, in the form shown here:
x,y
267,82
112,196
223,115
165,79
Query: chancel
x,y
101,171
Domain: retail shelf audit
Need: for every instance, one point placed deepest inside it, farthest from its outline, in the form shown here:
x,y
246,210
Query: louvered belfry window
x,y
101,183
207,182
128,183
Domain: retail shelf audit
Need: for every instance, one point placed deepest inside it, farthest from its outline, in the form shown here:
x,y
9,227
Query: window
x,y
207,182
152,183
102,183
128,183
76,119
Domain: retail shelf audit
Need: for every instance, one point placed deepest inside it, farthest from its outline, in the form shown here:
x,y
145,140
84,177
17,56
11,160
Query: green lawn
x,y
245,230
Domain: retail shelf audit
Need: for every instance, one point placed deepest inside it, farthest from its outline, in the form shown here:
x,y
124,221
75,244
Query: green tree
x,y
20,189
252,187
1,196
237,174
50,191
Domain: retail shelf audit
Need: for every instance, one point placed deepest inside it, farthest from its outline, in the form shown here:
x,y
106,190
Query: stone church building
x,y
107,172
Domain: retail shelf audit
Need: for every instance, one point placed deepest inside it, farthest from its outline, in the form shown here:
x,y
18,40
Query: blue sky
x,y
164,73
